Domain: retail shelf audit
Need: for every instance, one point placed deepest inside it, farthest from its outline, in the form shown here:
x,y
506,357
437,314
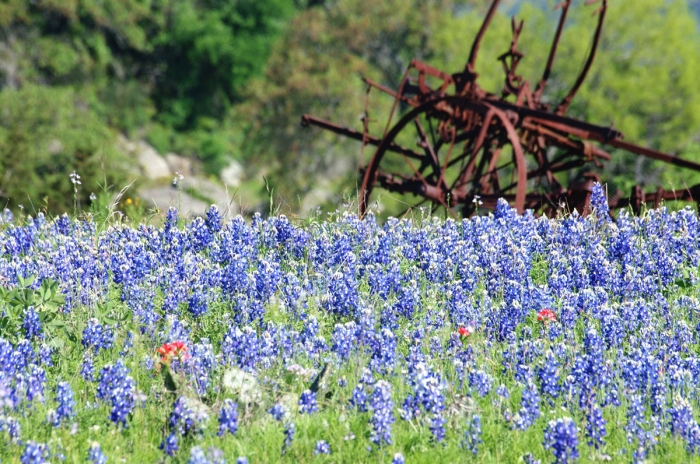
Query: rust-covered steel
x,y
473,147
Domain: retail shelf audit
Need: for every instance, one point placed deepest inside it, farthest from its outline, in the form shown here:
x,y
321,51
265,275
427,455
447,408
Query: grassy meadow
x,y
501,338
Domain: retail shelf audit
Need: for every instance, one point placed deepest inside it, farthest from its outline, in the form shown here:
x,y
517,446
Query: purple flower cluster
x,y
561,436
307,402
278,301
117,387
382,413
228,418
97,336
66,405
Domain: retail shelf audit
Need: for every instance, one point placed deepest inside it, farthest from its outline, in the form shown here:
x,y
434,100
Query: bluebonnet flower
x,y
599,203
384,356
289,430
342,297
87,368
548,376
307,402
382,415
95,454
228,418
31,324
360,394
197,456
197,303
35,453
36,381
595,427
635,419
212,456
437,427
45,355
681,417
472,436
344,336
398,459
530,407
242,460
97,336
502,391
188,417
277,411
170,445
241,348
530,459
117,387
322,447
66,403
13,428
561,436
480,381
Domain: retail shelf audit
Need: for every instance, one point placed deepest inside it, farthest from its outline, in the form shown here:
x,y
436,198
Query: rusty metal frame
x,y
482,146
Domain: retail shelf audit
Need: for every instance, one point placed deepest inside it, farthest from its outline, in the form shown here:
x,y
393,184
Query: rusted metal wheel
x,y
468,155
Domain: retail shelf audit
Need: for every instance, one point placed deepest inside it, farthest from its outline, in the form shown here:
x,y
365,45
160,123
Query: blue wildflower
x,y
307,402
66,403
277,411
289,430
95,454
472,437
35,453
595,427
382,414
117,387
228,418
31,324
322,447
561,436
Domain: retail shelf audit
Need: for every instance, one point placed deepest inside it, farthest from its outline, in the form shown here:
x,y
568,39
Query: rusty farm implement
x,y
473,147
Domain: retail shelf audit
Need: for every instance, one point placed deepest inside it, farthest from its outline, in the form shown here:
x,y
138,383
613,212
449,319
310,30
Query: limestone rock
x,y
232,175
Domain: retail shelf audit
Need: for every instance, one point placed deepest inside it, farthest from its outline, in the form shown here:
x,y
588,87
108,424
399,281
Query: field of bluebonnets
x,y
501,338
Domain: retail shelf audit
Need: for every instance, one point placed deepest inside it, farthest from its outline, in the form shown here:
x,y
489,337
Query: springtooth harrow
x,y
474,147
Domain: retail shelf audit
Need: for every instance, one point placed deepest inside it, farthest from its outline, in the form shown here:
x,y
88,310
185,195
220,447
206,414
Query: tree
x,y
40,148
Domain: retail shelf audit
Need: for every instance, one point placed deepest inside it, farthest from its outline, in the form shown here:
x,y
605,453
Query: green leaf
x,y
70,335
57,343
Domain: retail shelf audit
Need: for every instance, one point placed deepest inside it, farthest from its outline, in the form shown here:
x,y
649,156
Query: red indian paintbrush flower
x,y
465,332
172,350
546,316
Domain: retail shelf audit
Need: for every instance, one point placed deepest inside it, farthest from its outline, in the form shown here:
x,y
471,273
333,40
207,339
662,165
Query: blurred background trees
x,y
217,80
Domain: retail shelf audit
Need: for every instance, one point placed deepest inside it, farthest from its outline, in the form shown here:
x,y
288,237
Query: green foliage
x,y
45,134
177,64
209,50
46,301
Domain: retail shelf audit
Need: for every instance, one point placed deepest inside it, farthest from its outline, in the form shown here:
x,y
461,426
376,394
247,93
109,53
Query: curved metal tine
x,y
430,153
518,157
564,105
441,178
553,49
469,67
404,79
468,172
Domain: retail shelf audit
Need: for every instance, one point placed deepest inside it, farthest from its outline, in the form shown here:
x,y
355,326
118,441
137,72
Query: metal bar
x,y
649,153
469,67
553,50
564,105
307,120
